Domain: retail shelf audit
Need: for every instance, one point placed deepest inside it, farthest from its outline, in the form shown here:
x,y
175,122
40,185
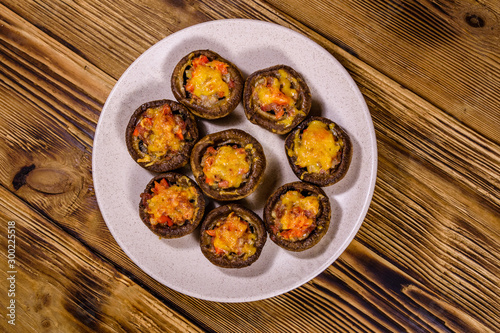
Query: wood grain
x,y
74,290
426,257
447,51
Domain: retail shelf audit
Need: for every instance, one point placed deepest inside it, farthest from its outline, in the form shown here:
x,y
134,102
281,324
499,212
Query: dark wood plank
x,y
446,51
58,285
109,34
427,202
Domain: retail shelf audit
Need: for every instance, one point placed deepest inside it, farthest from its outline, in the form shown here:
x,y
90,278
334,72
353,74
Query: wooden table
x,y
427,255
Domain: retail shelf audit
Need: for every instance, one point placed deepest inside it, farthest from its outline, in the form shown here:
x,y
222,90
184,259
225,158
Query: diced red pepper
x,y
190,87
211,150
164,183
166,109
210,232
201,60
220,66
179,134
224,184
280,113
166,219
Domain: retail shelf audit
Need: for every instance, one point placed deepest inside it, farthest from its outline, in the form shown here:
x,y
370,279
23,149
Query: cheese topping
x,y
161,132
171,204
232,235
316,149
226,166
207,78
275,94
295,215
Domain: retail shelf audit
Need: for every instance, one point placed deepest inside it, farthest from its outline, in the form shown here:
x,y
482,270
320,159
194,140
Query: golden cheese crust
x,y
172,205
298,235
228,165
307,153
232,236
160,135
276,98
209,85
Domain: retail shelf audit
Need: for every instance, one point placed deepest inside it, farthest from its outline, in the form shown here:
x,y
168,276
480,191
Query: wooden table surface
x,y
426,258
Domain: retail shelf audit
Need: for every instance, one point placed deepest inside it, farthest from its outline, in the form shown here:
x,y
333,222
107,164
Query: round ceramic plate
x,y
178,263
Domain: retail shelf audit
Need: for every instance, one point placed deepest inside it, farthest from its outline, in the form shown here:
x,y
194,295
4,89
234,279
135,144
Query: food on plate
x,y
209,85
172,205
276,98
319,151
232,236
160,135
297,216
228,165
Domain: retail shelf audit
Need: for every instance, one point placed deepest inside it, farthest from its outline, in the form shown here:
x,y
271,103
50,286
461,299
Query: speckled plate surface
x,y
179,263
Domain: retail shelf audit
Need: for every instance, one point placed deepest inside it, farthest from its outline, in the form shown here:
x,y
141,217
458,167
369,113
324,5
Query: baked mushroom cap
x,y
279,203
184,200
237,155
170,148
214,91
276,98
309,165
250,240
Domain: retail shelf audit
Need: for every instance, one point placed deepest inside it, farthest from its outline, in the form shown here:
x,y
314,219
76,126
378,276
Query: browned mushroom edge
x,y
332,175
270,120
232,260
322,219
223,106
174,231
230,137
170,161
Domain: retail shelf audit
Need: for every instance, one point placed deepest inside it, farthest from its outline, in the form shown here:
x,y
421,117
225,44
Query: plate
x,y
178,263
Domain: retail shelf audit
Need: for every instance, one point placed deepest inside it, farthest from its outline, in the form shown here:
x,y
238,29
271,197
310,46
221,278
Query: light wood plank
x,y
431,47
108,34
63,144
73,290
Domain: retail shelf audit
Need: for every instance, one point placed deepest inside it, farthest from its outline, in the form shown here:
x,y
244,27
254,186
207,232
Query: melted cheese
x,y
173,202
279,90
207,80
233,236
299,214
316,149
162,133
229,166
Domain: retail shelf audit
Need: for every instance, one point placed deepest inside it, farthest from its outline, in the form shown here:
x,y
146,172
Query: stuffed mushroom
x,y
160,135
319,151
232,236
276,98
228,165
172,205
209,85
297,216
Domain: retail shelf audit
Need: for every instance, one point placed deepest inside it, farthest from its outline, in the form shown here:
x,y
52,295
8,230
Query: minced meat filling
x,y
158,133
226,166
232,236
170,204
295,215
208,81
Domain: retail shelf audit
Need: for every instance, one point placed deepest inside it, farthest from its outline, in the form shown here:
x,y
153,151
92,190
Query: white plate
x,y
250,45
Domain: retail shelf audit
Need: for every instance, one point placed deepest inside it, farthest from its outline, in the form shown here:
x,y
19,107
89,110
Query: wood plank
x,y
109,34
60,145
447,52
73,290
